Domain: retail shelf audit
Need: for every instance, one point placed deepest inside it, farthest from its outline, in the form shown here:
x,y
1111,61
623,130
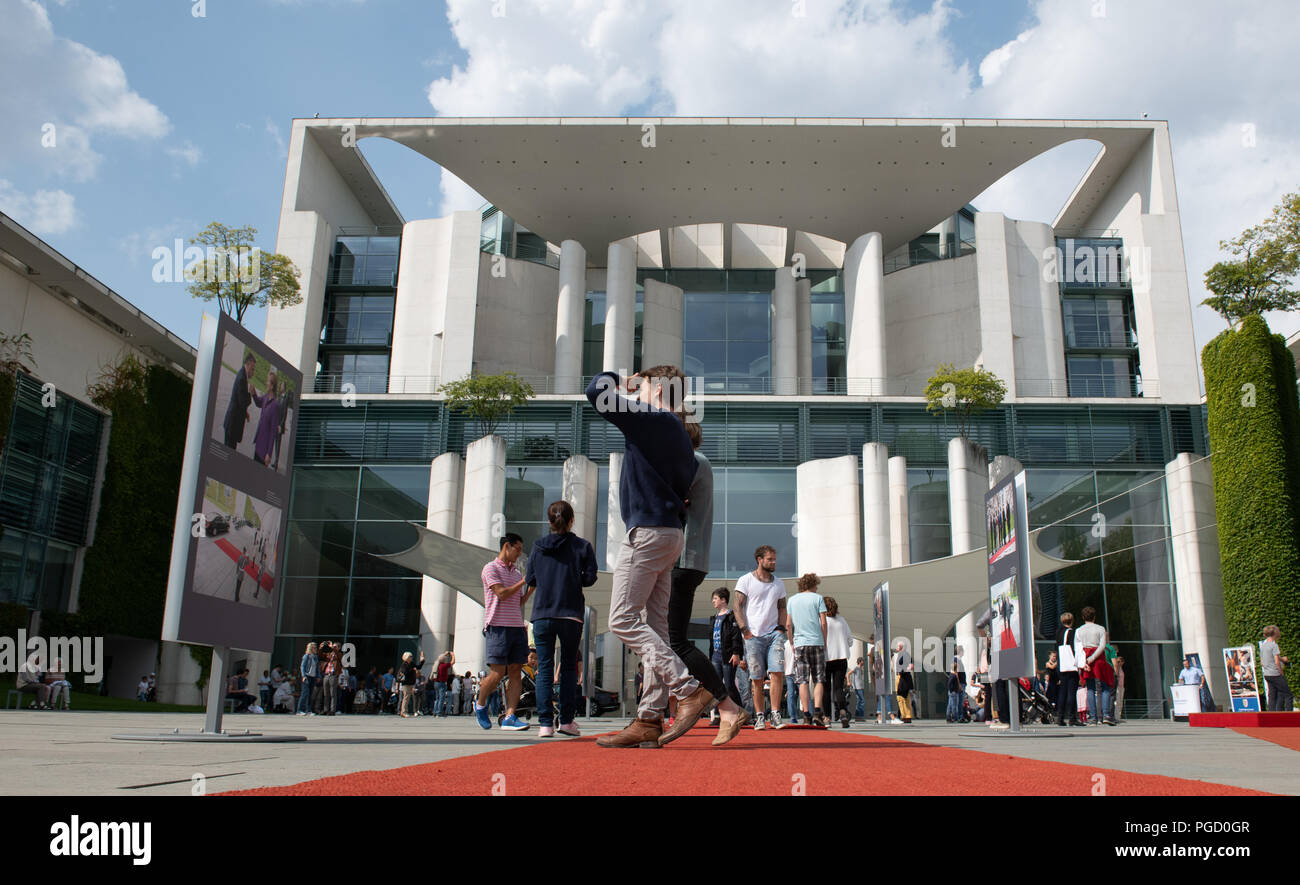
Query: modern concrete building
x,y
810,275
56,447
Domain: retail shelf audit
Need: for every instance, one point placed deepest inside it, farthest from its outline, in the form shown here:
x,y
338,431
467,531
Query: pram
x,y
527,705
1034,704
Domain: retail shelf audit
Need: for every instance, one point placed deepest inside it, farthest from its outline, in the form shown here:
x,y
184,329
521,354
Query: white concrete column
x,y
864,308
785,338
580,487
803,323
968,481
661,325
946,231
900,523
569,317
875,506
620,308
830,527
1198,575
1044,330
994,279
437,600
482,523
615,531
968,640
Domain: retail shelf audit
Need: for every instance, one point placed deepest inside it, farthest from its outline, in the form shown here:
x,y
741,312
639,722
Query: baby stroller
x,y
1034,705
527,705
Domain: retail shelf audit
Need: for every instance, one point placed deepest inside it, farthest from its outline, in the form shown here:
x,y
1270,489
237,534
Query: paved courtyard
x,y
72,753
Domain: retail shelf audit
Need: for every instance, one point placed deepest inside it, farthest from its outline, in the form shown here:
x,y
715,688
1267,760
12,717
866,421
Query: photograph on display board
x,y
235,557
1240,664
1005,602
1001,523
880,612
255,405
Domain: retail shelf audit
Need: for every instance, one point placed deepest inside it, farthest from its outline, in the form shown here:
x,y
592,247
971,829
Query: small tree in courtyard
x,y
1268,258
963,392
238,275
488,399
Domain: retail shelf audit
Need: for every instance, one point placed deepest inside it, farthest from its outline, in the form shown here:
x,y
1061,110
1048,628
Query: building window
x,y
728,340
365,261
366,372
593,341
1101,354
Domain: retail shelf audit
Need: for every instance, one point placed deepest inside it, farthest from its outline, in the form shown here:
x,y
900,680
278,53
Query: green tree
x,y
964,392
1268,258
15,354
238,275
488,399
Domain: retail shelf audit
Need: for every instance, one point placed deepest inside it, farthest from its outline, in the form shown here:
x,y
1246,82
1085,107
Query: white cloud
x,y
188,153
44,212
62,92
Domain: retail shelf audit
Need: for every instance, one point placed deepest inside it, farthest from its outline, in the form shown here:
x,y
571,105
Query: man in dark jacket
x,y
241,398
658,467
560,566
726,645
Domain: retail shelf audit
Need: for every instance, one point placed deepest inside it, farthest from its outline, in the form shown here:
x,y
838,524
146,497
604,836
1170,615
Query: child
x,y
59,685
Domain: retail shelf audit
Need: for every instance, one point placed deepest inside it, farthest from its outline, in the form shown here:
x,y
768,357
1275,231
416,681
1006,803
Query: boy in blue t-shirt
x,y
805,619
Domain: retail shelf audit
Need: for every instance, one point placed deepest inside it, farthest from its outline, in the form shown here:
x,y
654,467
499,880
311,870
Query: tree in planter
x,y
488,399
238,275
1260,279
964,392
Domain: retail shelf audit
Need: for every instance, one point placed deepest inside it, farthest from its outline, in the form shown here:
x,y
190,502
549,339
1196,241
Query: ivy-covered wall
x,y
1254,419
124,585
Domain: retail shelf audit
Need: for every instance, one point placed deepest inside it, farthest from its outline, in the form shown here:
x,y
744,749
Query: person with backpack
x,y
407,677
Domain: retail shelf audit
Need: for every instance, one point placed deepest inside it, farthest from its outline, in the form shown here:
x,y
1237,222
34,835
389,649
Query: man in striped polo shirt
x,y
504,595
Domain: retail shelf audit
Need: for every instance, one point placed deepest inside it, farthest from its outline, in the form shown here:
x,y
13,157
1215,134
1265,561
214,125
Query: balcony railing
x,y
1098,386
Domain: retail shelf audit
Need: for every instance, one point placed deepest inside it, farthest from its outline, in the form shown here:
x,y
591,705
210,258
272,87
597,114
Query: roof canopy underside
x,y
597,180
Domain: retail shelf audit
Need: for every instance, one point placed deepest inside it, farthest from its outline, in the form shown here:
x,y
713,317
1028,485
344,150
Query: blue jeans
x,y
304,697
792,698
954,706
727,672
440,699
861,710
1100,701
545,633
885,705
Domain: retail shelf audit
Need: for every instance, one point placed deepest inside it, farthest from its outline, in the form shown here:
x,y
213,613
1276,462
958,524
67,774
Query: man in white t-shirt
x,y
760,614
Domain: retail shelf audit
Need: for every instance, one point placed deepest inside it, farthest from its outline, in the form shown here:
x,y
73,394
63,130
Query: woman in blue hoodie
x,y
561,564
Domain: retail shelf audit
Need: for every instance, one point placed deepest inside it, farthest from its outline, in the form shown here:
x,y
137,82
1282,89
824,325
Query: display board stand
x,y
212,731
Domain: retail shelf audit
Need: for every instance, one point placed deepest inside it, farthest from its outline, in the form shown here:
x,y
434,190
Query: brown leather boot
x,y
688,713
639,733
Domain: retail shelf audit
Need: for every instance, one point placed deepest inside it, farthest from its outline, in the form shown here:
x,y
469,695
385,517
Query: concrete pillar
x,y
437,600
785,338
482,523
830,528
580,487
1041,343
864,308
661,325
1198,575
569,317
900,529
615,531
947,231
968,640
875,506
994,279
968,480
803,323
620,308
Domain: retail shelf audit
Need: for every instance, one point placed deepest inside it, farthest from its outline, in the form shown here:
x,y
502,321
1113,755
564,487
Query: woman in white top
x,y
839,642
1090,651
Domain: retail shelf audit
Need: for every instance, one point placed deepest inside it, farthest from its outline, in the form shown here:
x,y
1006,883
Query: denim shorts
x,y
765,654
506,645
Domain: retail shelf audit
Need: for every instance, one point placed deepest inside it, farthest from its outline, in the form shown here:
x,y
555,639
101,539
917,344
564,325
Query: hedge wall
x,y
124,585
1257,483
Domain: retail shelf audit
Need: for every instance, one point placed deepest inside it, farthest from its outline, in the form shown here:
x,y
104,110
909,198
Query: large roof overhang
x,y
592,180
43,265
926,596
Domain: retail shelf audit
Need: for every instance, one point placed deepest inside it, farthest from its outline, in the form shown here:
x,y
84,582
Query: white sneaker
x,y
545,731
895,721
999,726
760,722
570,728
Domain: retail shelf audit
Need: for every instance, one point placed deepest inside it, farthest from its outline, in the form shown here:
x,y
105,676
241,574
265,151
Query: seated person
x,y
283,697
234,692
31,681
59,687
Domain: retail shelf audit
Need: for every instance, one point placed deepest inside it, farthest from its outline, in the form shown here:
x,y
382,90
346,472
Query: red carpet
x,y
266,581
756,763
1284,737
1244,720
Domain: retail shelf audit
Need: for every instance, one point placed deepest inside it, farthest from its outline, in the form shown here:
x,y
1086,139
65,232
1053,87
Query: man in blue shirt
x,y
805,619
658,468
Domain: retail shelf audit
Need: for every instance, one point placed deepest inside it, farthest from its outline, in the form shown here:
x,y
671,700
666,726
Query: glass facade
x,y
1101,353
357,326
47,480
362,472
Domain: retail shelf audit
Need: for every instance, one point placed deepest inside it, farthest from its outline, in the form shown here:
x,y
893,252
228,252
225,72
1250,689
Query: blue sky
x,y
168,121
